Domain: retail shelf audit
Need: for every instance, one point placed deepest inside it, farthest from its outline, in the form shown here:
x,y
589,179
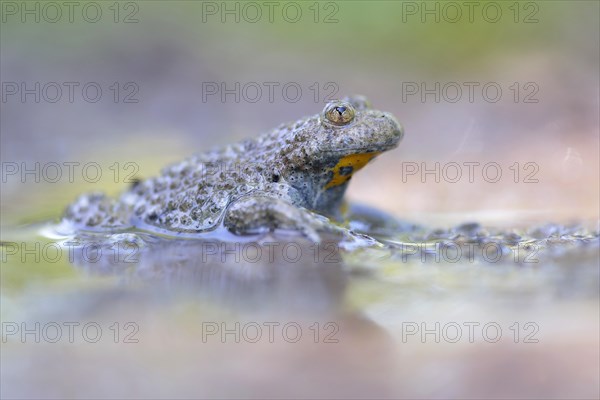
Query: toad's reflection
x,y
271,273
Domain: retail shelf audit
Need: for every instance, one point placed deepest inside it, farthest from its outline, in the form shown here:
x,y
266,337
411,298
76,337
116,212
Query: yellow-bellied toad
x,y
282,179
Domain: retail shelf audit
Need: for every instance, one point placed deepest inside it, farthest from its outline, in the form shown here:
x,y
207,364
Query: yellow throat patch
x,y
348,165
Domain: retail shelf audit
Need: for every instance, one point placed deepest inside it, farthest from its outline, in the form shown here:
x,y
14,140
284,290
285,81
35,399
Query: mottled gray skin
x,y
252,186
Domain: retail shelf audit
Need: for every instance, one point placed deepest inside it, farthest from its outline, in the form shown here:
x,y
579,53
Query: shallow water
x,y
416,312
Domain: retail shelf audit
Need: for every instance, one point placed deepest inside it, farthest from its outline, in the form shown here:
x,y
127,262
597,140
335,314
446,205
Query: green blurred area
x,y
437,39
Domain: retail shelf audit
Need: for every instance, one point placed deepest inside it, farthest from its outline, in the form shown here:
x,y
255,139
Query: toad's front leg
x,y
259,214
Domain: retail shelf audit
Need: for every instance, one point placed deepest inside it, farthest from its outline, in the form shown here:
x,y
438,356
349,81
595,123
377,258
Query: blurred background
x,y
172,59
179,77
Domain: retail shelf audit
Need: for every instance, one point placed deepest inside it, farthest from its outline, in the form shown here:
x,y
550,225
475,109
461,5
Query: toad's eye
x,y
339,113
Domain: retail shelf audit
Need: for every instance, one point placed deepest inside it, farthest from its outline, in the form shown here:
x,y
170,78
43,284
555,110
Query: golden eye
x,y
339,113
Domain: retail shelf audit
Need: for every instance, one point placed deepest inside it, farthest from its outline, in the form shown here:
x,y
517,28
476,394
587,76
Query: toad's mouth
x,y
348,165
374,148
